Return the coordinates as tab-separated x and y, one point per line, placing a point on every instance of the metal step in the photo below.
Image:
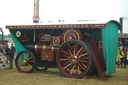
2	63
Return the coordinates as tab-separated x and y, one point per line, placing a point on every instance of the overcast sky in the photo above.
21	11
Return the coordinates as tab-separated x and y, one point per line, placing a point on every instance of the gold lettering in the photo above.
86	25
67	25
74	26
82	25
63	26
47	26
59	26
70	25
54	26
37	26
50	26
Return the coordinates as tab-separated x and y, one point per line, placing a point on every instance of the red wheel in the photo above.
25	62
74	59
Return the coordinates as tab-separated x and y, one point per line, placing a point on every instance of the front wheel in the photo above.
25	62
74	59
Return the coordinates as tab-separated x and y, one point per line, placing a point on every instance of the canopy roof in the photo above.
57	26
61	26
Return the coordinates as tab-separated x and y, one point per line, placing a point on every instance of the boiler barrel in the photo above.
40	47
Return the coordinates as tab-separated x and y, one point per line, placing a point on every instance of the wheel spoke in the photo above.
70	48
28	58
81	67
70	51
24	56
66	56
65	52
29	64
21	59
84	61
83	55
67	66
67	62
64	59
84	58
74	50
30	61
82	51
76	46
24	68
79	50
21	64
72	69
76	68
29	55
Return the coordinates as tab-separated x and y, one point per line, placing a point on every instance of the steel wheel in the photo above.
74	59
25	62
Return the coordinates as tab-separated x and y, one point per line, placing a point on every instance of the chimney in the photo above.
2	36
121	23
36	11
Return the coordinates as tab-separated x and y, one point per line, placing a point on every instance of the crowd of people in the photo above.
10	55
122	56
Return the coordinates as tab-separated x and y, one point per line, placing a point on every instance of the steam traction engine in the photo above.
76	49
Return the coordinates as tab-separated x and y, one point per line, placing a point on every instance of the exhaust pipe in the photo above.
121	23
36	11
2	36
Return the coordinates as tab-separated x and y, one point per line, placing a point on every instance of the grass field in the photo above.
54	77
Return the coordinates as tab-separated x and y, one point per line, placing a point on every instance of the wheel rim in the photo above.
25	62
73	59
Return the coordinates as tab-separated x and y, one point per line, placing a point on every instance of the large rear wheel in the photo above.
74	59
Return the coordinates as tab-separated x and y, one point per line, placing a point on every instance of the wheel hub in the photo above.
74	58
24	62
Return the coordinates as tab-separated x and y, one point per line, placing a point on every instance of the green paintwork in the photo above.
110	43
19	47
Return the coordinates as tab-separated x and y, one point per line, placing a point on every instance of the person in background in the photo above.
126	58
12	51
7	53
117	57
121	56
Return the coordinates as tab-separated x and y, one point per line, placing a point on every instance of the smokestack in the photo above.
121	23
2	36
36	11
